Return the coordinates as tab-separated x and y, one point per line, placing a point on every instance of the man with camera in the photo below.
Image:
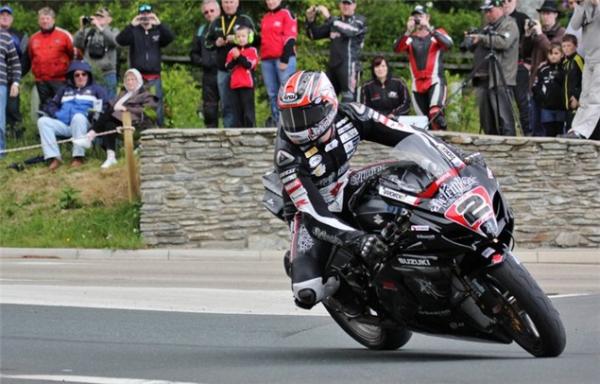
500	35
347	34
586	123
146	36
425	46
96	39
207	60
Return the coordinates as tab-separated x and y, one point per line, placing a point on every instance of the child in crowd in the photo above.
134	98
241	61
573	69
548	92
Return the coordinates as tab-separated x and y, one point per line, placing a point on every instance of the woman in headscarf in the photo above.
136	99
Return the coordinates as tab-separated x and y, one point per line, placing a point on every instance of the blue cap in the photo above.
6	8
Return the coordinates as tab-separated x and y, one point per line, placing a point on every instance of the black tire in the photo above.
369	333
529	316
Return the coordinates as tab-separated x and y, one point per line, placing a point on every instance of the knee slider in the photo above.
306	298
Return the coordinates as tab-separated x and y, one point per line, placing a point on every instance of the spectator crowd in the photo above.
549	72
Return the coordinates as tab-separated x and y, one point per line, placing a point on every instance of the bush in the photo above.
181	97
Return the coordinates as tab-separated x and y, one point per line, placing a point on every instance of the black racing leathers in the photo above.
347	36
315	179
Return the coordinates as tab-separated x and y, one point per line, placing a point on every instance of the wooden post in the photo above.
134	188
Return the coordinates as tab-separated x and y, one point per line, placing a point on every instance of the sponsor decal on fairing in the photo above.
450	191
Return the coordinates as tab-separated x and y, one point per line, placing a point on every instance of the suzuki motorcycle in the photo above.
450	270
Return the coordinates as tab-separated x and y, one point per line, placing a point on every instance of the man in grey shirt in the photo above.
96	39
587	17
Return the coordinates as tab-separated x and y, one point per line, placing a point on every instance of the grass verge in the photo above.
72	208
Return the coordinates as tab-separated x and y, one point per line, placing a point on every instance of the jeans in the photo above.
160	114
226	99
49	128
275	78
110	83
3	96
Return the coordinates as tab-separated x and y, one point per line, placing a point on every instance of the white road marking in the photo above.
90	379
568	295
194	300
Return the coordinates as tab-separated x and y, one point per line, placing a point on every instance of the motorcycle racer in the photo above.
315	141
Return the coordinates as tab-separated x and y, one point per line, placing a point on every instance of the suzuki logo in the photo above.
418	262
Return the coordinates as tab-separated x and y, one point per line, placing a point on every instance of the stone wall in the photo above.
201	187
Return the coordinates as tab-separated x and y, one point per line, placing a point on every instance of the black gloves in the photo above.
371	249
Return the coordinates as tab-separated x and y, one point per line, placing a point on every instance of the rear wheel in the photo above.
367	329
526	313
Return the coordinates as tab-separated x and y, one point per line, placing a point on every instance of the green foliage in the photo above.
69	199
462	113
181	97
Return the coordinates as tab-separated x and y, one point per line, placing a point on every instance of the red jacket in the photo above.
242	67
279	30
50	54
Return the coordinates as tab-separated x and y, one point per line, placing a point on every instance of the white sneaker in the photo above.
109	162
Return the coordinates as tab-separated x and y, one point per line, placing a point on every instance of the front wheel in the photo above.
368	331
526	313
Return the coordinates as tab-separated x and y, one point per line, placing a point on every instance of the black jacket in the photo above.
144	46
548	86
200	55
347	41
314	175
224	26
573	69
391	97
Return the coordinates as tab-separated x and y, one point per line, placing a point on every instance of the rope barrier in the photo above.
70	140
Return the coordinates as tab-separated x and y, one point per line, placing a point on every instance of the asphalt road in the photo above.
234	323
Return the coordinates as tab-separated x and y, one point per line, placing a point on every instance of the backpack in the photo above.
96	48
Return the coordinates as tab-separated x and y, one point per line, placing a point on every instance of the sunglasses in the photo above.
209	11
80	74
145	8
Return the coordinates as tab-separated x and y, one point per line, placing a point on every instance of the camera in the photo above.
530	23
86	20
143	19
417	21
467	44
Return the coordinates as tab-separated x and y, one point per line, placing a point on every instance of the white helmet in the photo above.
308	105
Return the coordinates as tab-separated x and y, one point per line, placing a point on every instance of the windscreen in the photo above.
423	161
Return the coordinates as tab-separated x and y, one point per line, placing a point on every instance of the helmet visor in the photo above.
300	119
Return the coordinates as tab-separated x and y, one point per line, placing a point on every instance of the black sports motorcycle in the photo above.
450	270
